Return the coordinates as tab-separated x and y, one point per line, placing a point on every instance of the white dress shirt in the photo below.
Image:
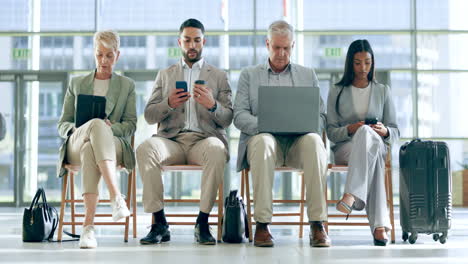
190	76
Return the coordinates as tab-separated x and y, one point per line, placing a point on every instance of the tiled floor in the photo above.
350	245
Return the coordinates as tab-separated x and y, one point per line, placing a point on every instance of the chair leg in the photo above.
128	202
245	174
220	211
389	184
301	214
326	201
242	187
62	207
72	201
134	204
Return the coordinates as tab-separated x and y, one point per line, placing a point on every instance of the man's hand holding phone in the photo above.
179	95
203	94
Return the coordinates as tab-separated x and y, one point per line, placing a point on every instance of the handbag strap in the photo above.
35	200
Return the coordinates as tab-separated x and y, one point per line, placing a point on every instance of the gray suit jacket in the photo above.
380	106
246	103
120	110
171	122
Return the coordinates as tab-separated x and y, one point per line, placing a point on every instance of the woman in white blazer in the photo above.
355	98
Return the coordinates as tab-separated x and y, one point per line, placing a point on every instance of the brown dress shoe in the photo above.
318	236
263	237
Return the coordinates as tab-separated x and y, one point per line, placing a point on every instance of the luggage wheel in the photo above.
404	236
412	239
443	238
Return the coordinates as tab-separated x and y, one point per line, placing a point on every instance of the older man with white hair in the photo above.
262	152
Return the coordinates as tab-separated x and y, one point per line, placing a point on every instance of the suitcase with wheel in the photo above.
425	190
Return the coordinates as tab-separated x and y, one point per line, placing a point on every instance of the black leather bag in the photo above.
39	220
235	224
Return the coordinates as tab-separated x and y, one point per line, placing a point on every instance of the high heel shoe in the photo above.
345	208
379	242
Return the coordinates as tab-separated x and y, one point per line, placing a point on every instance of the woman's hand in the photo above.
380	129
108	122
354	127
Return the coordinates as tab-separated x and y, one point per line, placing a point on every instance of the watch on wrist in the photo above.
212	109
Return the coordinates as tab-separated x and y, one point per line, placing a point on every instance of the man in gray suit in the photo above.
191	131
262	152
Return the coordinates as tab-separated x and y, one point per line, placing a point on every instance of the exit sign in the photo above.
21	54
174	52
333	52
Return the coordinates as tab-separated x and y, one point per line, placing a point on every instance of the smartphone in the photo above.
181	85
371	121
200	82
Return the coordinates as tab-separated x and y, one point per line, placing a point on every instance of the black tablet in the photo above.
89	107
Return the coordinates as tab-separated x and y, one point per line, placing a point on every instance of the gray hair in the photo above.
280	27
108	38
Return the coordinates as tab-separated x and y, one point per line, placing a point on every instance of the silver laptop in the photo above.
288	110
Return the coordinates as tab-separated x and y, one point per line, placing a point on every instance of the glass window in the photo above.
16	55
7	145
14	15
241	14
442	51
44	106
167	51
329	51
57	53
158	15
449	14
241	51
132	53
441	104
400	83
360	14
67	15
269	11
262	51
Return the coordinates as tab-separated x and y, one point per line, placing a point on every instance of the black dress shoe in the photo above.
158	233
203	234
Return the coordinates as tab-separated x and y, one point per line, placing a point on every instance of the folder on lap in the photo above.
89	107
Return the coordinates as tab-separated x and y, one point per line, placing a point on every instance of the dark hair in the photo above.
192	22
360	45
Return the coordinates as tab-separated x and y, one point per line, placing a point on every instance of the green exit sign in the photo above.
333	52
21	54
174	52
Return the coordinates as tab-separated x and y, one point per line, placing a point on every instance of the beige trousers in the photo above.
307	152
90	144
186	148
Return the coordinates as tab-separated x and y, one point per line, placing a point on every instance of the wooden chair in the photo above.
219	201
245	193
68	181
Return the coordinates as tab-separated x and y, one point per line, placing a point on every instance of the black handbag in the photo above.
39	220
235	224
